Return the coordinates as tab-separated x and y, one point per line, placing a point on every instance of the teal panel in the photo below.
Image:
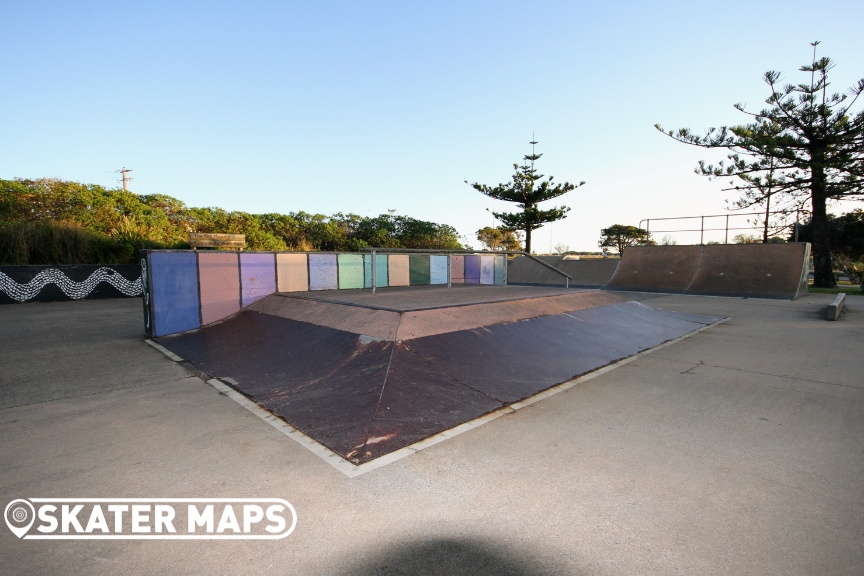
380	270
438	269
500	270
350	271
418	264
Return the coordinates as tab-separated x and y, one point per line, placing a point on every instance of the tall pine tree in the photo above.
527	190
806	135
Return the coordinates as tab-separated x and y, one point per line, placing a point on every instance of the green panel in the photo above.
500	269
350	271
380	270
419	266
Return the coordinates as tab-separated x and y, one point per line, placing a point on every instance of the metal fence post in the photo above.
374	280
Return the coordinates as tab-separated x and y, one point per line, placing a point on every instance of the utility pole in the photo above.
126	179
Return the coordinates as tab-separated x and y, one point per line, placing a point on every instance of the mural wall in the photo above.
56	283
184	290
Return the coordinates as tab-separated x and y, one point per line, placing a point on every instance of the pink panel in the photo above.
219	280
457	269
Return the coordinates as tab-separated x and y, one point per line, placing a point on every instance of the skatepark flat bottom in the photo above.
364	396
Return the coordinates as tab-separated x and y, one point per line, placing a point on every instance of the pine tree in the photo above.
528	189
806	145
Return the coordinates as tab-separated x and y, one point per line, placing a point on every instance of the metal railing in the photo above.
375	250
726	228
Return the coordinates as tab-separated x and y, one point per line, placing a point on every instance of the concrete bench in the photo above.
835	307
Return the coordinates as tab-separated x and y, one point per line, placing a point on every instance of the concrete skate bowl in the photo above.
365	381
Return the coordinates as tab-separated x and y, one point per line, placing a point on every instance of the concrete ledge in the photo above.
835	307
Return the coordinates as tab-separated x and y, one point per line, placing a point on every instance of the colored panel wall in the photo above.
419	264
457	269
219	279
174	296
380	270
438	269
500	270
350	271
257	277
487	269
293	272
323	272
472	269
398	270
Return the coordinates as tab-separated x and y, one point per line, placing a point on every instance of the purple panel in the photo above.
323	272
257	277
472	269
174	298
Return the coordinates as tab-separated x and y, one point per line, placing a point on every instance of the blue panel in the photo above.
472	269
380	270
174	278
438	269
323	274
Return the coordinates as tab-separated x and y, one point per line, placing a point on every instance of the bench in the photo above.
205	240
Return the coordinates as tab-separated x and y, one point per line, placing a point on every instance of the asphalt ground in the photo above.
739	450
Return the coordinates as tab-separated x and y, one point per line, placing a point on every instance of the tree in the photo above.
745	239
499	239
619	236
528	189
846	233
808	137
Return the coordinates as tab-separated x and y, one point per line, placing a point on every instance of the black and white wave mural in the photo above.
54	283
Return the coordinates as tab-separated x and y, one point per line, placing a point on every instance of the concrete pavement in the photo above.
739	450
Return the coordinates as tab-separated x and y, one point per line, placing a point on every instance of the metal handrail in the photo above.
727	228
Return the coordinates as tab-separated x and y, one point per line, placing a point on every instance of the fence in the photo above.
730	222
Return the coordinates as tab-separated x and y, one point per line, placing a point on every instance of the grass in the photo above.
850	289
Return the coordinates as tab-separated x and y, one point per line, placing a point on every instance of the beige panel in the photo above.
292	272
399	270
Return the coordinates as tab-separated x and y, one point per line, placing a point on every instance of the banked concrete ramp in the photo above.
741	270
366	381
753	271
656	269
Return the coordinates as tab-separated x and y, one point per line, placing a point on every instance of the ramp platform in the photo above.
367	375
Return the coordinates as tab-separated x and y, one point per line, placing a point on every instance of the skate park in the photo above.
708	434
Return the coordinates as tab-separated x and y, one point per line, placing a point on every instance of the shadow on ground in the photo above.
450	557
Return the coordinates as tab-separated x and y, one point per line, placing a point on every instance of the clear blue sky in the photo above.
368	106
